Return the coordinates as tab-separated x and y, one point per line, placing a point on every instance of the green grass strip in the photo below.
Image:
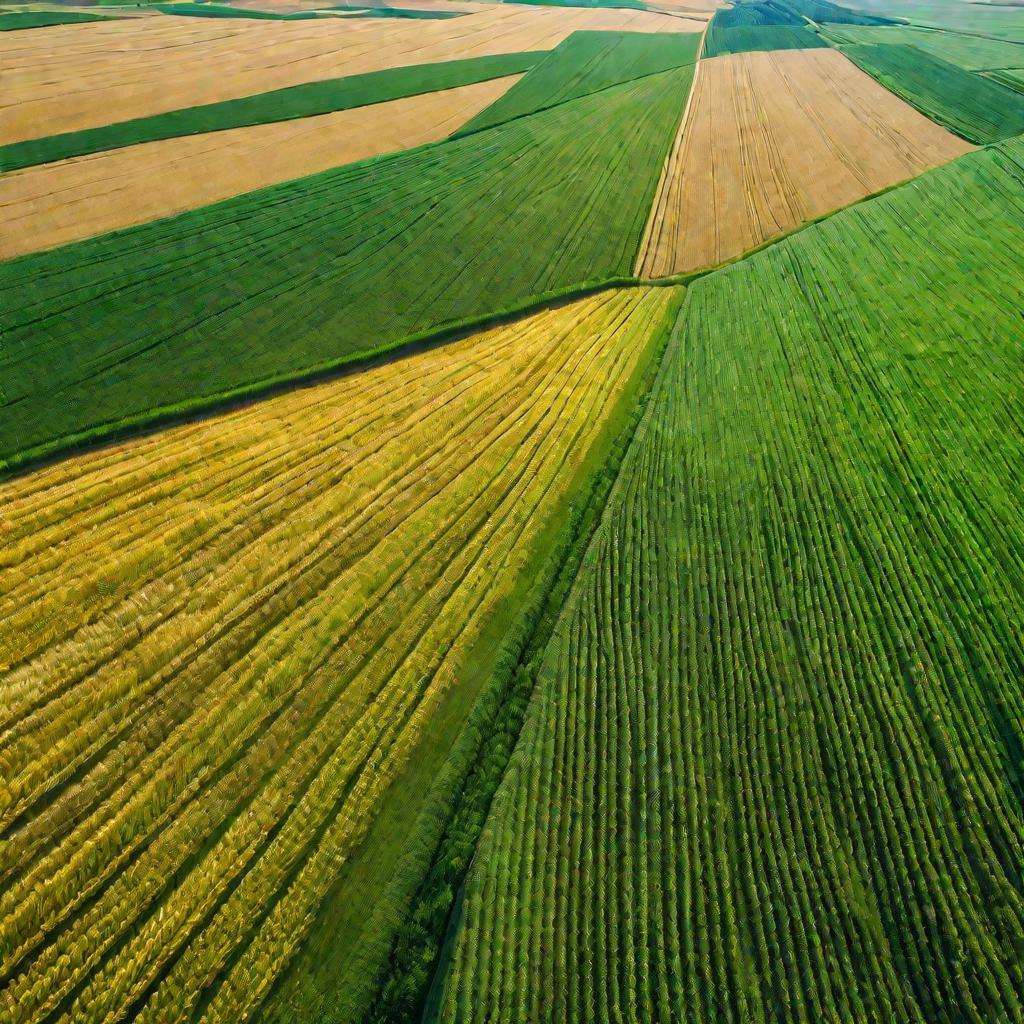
277	105
179	315
20	20
975	107
224	11
585	63
400	12
632	5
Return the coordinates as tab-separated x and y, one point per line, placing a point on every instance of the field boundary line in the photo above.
641	256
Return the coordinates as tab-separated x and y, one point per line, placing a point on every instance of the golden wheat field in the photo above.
772	140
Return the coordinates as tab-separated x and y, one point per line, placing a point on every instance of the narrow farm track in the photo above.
773	767
773	140
53	204
247	631
79	75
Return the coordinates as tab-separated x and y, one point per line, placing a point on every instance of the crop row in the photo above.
223	644
772	769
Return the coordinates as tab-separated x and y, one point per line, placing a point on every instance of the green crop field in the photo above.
1012	79
973	53
776	25
399	12
521	523
588	62
237	296
18	20
296	101
773	765
748	15
823	11
971	105
750	38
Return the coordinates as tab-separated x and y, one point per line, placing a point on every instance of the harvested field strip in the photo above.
114	190
316	272
312	571
772	769
296	101
973	106
757	37
773	140
588	62
45	19
973	53
139	67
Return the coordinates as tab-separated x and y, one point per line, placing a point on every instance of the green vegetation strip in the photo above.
45	19
585	63
287	104
635	5
400	12
774	764
976	108
224	11
315	273
1012	79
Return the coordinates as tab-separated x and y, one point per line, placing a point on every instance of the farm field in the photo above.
772	140
113	189
218	306
975	107
589	62
510	512
147	66
368	577
771	769
998	20
973	53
